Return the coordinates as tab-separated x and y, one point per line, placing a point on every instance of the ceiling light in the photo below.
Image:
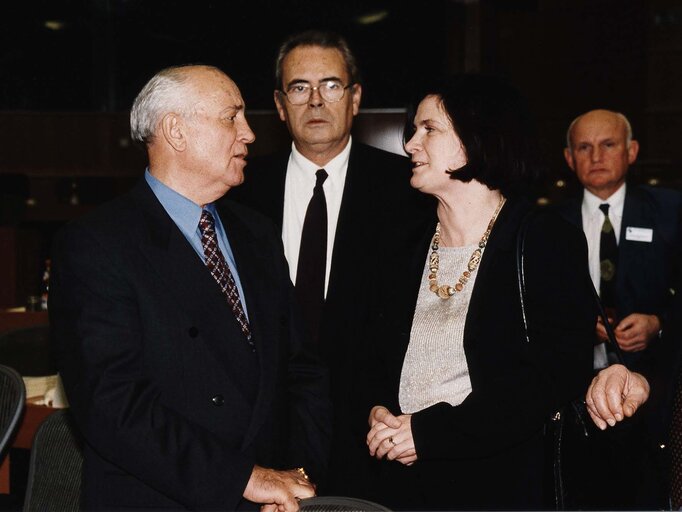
372	17
54	24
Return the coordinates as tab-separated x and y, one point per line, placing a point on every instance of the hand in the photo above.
278	490
391	436
615	393
635	331
601	330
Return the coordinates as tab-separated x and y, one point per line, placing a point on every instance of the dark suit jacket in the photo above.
487	452
646	271
174	406
377	197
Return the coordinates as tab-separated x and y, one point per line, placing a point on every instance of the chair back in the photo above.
12	403
340	504
27	350
54	478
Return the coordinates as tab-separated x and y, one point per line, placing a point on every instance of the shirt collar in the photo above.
616	201
335	167
184	212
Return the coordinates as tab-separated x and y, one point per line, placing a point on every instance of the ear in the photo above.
279	103
569	158
357	96
173	130
633	150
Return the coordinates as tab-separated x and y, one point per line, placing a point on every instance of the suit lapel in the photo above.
636	214
572	212
353	211
181	271
255	273
501	243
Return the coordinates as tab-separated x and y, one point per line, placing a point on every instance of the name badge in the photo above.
639	234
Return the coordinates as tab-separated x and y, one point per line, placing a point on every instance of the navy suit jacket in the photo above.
377	199
174	406
646	271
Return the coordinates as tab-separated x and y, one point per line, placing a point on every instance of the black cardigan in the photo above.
487	452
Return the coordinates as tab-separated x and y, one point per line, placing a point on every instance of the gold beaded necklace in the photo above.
446	291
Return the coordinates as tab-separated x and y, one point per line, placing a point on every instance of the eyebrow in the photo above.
325	79
602	141
427	121
236	108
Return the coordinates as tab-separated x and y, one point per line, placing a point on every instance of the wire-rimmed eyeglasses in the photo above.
331	91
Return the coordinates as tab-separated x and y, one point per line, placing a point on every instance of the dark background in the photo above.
567	56
70	69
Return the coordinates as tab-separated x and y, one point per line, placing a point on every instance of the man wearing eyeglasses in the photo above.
337	202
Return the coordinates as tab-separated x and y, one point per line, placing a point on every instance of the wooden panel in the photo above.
20	265
11	321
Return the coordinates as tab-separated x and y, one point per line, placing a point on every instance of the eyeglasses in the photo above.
331	91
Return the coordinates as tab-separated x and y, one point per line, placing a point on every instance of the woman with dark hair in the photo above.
463	394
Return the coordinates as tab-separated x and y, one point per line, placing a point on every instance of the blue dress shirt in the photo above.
186	215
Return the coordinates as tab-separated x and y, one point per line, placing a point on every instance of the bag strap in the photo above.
521	279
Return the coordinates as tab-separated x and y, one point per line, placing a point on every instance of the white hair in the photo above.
165	92
624	120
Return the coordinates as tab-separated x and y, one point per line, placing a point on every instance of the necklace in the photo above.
446	291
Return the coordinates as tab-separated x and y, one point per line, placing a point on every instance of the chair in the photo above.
27	350
12	403
340	504
54	477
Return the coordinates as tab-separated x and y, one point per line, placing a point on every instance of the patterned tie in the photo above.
215	261
312	258
608	256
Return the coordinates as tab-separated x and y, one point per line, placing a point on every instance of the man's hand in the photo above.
601	330
278	490
615	393
391	436
635	331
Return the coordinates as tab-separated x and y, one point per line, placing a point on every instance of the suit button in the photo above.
218	400
193	332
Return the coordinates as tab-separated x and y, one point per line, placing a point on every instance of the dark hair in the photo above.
322	39
494	124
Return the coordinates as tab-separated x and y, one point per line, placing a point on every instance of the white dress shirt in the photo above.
593	218
298	190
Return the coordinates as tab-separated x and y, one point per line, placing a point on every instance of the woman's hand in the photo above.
391	436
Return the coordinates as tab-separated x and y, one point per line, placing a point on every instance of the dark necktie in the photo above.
608	256
312	258
215	261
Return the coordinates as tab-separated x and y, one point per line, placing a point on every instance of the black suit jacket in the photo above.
377	199
174	406
646	271
487	452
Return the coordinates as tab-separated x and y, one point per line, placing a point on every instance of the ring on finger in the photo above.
390	440
303	473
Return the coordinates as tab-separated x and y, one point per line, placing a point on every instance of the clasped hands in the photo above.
633	333
391	436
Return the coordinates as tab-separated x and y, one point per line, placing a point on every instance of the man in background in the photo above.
337	201
635	279
634	244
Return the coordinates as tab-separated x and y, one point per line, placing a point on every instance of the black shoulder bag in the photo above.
573	415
